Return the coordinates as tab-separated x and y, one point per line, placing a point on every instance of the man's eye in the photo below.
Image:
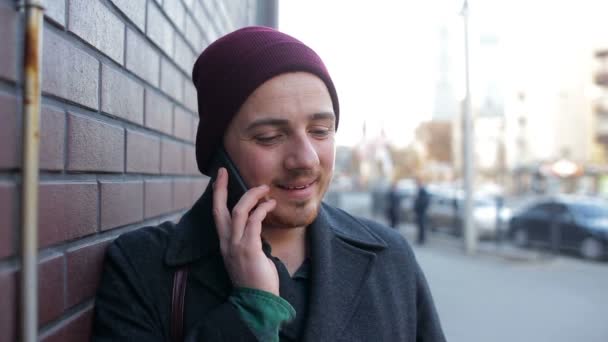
320	133
267	139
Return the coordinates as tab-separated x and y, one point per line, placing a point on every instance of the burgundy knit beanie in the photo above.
232	67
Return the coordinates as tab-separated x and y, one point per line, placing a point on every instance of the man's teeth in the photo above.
296	187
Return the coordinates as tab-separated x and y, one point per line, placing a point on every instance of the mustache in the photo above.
297	174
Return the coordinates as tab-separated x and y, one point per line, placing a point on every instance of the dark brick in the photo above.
94	145
121	203
184	57
66	211
171	80
68	72
190	99
51	295
159	115
8	306
84	266
182	124
176	12
8	218
143	153
8	37
171	157
190	166
55	10
97	25
9	136
135	10
75	328
182	194
159	198
159	29
121	95
52	139
142	58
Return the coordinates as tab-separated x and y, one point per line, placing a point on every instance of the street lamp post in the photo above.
467	142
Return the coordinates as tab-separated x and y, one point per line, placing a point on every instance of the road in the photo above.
501	297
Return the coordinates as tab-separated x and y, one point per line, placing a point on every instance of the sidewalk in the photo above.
504	249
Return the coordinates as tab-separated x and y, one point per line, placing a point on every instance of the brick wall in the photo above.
118	123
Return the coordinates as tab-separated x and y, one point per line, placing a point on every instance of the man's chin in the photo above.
292	216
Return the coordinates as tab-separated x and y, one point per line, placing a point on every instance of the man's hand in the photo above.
240	239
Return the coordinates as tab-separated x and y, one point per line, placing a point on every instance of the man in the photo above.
421	204
281	265
393	205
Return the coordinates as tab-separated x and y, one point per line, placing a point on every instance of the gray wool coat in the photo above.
365	284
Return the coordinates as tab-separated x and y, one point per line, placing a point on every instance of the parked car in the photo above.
446	213
565	223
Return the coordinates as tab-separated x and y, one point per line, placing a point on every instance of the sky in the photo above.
383	55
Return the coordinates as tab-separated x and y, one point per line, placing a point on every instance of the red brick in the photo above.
171	157
143	153
8	37
190	99
121	203
8	218
190	166
8	306
9	137
87	18
121	95
67	211
142	58
193	34
55	10
176	12
84	267
158	112
194	127
68	72
94	145
159	29
198	187
51	295
74	329
158	198
171	80
52	139
182	194
135	10
182	124
184	57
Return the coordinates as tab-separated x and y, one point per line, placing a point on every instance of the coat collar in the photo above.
343	252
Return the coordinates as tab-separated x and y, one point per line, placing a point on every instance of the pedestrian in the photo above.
421	204
280	265
393	205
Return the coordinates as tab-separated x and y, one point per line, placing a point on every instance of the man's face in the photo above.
283	136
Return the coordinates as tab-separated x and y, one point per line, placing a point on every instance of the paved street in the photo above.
506	296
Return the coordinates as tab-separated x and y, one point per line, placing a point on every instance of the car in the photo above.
446	213
571	223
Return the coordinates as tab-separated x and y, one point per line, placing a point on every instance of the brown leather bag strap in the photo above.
180	279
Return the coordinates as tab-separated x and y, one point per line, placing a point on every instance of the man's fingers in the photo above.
220	211
243	208
253	230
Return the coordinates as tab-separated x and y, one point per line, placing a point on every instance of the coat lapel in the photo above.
343	254
195	242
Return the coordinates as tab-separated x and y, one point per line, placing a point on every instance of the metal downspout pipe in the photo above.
34	14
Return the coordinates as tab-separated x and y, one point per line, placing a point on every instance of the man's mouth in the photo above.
297	186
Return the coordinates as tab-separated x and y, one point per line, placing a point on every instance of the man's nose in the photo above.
301	153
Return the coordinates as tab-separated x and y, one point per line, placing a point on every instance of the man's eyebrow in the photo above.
285	122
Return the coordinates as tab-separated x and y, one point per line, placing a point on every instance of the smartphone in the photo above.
236	185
